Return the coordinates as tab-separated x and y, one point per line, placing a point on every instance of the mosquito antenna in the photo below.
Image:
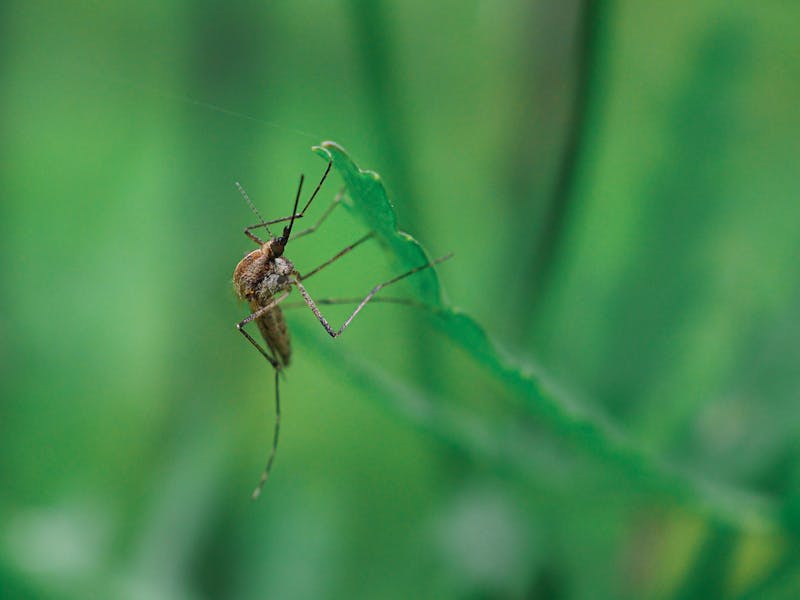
253	207
319	185
287	231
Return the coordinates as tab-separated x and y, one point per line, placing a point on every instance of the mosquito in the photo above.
265	277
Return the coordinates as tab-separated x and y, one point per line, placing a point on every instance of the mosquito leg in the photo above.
312	229
253	236
249	230
276	432
261	311
275	364
277	427
367	298
383	299
336	201
337	256
277	367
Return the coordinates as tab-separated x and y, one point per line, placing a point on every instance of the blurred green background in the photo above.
619	184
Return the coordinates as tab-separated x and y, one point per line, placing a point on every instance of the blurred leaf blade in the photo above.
588	429
372	206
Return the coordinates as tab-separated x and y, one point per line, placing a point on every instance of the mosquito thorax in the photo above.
275	278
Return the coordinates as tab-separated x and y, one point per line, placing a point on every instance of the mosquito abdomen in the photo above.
273	329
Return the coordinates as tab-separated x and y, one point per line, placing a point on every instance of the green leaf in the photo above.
372	206
586	429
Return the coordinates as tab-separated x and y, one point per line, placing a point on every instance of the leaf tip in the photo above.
329	149
328	144
322	151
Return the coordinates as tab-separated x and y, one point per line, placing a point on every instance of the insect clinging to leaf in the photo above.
264	278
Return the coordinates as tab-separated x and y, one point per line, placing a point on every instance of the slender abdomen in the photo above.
273	328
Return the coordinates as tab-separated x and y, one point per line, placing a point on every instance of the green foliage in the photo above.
565	416
372	205
610	411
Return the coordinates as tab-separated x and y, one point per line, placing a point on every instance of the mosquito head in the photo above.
278	244
274	247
